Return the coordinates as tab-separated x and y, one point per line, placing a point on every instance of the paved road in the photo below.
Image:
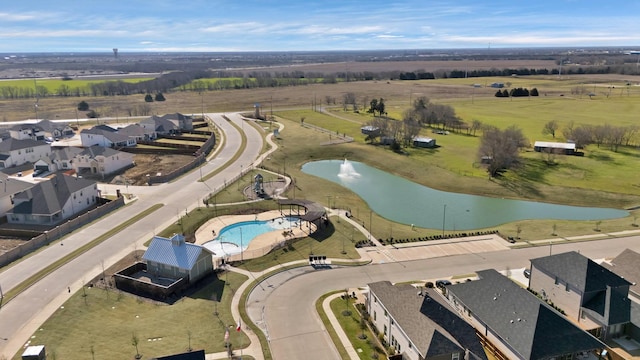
24	314
285	303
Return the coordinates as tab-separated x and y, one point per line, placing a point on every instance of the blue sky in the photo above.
256	25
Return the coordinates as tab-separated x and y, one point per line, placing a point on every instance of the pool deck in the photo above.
261	243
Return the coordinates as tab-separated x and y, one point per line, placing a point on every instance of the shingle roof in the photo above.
429	322
97	150
532	328
627	266
50	126
26	126
65	153
173	252
48	197
160	124
579	271
133	130
15	144
10	186
111	135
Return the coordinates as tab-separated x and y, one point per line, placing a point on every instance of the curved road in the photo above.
23	315
285	305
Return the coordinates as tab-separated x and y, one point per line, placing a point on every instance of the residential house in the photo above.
63	158
101	160
56	130
53	201
627	266
420	324
516	322
184	122
592	295
105	136
175	258
160	125
9	186
14	152
26	131
138	132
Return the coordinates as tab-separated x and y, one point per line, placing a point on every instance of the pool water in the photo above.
236	237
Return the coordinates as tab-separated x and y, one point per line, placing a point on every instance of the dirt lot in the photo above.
149	165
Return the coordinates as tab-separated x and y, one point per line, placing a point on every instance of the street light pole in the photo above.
370	223
444	216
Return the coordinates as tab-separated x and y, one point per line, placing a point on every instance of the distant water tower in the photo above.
115	52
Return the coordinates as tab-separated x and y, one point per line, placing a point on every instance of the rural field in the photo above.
602	175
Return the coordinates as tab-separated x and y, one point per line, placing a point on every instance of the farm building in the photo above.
555	147
424	142
370	130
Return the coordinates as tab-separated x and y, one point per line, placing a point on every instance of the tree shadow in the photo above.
600	156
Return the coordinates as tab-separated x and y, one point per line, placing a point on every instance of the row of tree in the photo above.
517	92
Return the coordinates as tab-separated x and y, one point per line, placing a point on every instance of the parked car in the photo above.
442	283
527	273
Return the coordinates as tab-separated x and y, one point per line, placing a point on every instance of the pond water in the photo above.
236	237
406	202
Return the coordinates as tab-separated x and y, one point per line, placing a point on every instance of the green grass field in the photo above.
52	85
106	321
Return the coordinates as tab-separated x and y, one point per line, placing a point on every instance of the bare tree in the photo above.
348	99
475	126
550	128
501	148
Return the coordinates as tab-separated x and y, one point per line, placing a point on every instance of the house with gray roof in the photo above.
15	152
595	297
138	132
627	266
177	259
9	186
63	158
98	160
420	324
26	131
184	122
519	324
106	137
54	200
55	130
160	125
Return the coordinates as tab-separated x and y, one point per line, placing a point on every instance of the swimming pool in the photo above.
236	237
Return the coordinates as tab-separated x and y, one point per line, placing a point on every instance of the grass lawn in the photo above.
350	323
106	322
75	85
